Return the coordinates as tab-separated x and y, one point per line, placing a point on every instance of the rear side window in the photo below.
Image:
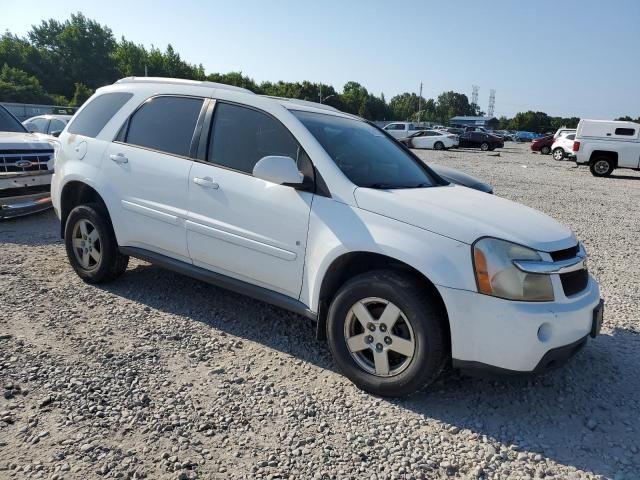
95	115
56	125
165	124
241	136
625	131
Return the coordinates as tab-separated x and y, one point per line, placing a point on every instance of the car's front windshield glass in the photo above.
8	123
364	154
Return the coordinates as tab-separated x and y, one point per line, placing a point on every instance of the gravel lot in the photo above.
160	376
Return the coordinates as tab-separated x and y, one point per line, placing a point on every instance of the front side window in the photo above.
241	136
166	124
94	116
56	125
364	154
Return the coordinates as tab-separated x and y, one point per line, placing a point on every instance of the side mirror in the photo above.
56	133
278	169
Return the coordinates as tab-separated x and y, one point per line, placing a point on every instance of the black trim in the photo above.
195	138
551	360
219	280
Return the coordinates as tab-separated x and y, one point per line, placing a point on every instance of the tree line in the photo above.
62	63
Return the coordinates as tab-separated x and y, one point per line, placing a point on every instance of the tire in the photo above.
93	256
546	150
484	146
418	324
601	167
410	144
438	146
558	154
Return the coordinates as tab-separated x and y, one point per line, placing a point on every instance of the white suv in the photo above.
321	213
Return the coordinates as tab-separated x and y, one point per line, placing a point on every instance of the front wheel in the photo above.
601	167
91	245
438	146
558	153
484	146
385	334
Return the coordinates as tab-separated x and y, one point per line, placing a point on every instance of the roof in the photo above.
462	117
181	81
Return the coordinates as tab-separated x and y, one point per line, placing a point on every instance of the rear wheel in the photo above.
558	153
91	244
601	167
546	150
438	146
385	334
484	146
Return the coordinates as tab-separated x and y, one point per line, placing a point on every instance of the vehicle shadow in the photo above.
42	228
624	177
567	415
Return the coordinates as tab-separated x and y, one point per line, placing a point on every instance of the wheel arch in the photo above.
613	156
74	193
350	264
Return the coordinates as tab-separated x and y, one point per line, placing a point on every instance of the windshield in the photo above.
8	123
364	154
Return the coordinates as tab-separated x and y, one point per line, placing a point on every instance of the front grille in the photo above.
23	161
574	282
565	254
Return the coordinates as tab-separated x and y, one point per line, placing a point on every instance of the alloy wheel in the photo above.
601	167
379	337
87	245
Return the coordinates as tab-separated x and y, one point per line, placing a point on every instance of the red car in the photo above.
542	145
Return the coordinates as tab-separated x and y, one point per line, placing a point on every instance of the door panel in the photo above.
248	228
149	198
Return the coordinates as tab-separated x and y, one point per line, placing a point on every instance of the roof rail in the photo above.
306	103
181	81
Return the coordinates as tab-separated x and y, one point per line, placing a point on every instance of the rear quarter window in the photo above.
626	131
94	116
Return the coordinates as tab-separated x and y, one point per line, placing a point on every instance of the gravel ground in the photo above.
160	376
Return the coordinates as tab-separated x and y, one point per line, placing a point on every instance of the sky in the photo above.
563	57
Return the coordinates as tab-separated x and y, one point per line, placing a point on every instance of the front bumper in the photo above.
22	195
496	334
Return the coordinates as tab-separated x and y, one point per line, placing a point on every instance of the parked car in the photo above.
402	129
47	124
507	136
606	145
563	131
483	141
431	139
315	211
542	144
26	166
562	146
455	131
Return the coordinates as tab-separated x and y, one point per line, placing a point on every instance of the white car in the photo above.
563	131
320	213
562	146
51	125
431	139
605	145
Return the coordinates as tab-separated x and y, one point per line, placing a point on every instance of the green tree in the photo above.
81	94
531	121
81	48
18	86
450	104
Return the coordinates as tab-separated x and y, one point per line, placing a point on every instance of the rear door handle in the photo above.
119	158
206	182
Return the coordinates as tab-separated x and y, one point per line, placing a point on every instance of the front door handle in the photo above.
119	158
206	182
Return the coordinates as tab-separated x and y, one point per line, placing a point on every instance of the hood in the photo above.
456	176
466	215
23	141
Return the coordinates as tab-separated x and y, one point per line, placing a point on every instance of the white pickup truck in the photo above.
402	129
606	145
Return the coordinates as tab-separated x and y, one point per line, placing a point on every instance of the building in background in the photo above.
490	123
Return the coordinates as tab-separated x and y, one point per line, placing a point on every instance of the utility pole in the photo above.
492	103
145	71
420	103
320	92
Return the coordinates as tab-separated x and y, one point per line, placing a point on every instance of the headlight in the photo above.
496	274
